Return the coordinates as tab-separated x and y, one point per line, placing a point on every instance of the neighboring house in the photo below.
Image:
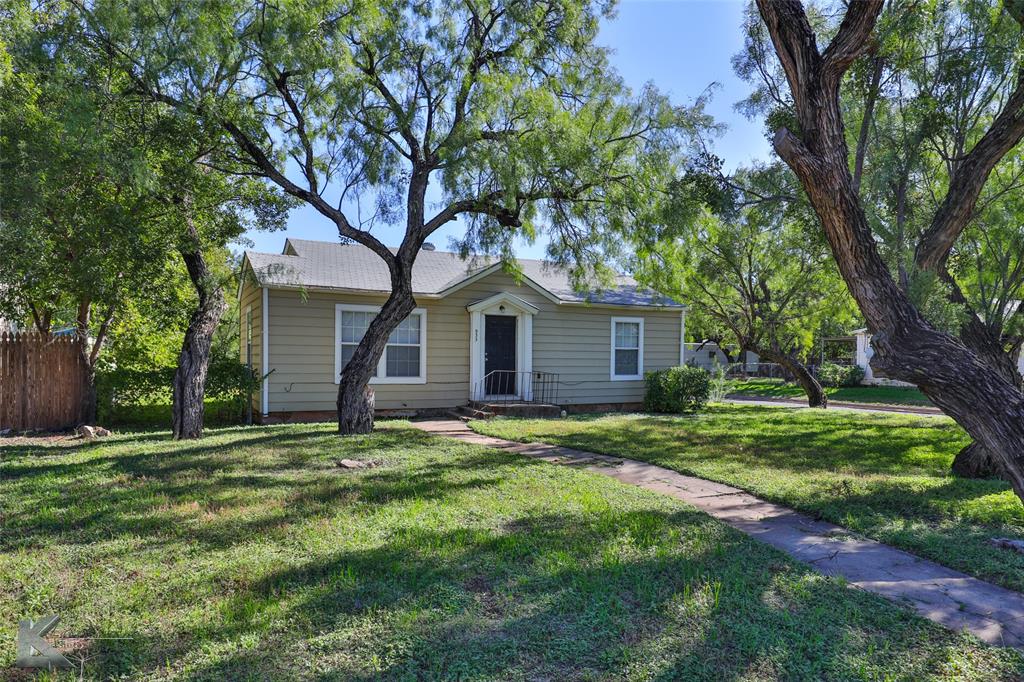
477	333
865	353
707	354
9	326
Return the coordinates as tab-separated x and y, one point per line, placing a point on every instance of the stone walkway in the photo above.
950	598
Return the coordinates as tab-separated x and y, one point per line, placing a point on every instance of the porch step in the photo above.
528	410
467	412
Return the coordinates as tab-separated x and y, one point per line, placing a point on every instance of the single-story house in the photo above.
477	333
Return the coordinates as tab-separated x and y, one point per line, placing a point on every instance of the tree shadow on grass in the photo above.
217	494
569	596
440	584
791	441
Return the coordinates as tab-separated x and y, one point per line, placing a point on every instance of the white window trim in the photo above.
514	307
640	351
339	308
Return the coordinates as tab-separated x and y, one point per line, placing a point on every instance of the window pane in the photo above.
346	354
347	351
403	361
408	331
353	325
627	335
626	362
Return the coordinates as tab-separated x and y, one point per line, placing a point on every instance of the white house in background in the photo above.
478	334
865	353
707	354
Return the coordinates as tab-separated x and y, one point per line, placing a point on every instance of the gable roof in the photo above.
353	267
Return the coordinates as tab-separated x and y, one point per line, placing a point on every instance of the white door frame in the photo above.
503	303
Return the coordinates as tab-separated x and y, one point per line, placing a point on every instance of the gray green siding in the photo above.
251	295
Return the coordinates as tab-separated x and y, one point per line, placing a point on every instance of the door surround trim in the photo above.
502	303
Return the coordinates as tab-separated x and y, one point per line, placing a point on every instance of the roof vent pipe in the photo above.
427	246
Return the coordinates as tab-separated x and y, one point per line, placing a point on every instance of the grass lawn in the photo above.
879	395
252	556
883	475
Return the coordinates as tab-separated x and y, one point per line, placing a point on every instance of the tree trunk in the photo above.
815	393
974	461
88	409
194	360
90	354
355	397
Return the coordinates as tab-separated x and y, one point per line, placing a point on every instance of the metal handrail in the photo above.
504	386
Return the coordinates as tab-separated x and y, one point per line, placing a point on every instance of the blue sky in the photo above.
680	45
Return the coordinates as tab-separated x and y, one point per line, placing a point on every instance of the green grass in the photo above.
251	556
883	475
879	395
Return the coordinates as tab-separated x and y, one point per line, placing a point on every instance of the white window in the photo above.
404	360
627	348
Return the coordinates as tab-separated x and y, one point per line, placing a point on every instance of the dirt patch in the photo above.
42	439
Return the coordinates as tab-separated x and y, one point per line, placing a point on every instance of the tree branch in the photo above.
968	181
345	229
850	42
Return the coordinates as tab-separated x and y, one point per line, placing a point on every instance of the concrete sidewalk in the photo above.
950	598
837	405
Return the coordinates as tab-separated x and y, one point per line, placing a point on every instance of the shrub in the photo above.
833	375
677	389
720	384
142	397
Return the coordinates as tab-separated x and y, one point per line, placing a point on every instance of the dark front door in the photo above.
499	354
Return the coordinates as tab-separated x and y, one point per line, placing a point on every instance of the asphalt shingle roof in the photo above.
329	265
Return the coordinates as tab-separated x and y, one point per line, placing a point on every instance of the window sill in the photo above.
636	377
393	380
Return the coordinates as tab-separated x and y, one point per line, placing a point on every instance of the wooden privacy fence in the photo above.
40	382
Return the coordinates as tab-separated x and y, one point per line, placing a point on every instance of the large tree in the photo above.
104	191
753	266
72	244
953	369
210	209
507	107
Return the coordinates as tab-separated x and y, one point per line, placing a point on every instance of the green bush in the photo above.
834	376
142	397
677	389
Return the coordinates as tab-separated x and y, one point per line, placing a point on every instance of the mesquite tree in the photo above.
507	107
210	210
72	244
753	266
104	190
951	371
